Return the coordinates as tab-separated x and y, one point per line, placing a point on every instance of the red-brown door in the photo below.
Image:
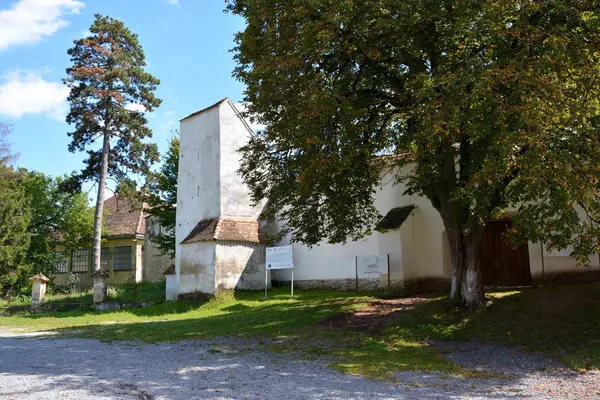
501	265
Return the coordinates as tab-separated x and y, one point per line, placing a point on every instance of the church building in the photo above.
220	242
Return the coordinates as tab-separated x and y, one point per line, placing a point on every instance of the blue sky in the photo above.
186	43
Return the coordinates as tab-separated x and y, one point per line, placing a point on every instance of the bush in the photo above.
72	283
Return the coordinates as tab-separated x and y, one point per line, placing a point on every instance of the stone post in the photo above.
171	290
99	278
38	291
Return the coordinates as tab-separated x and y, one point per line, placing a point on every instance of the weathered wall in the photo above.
198	187
197	268
240	266
154	263
234	133
208	187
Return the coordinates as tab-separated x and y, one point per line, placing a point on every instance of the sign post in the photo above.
372	266
279	258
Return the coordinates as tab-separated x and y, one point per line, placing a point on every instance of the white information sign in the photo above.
280	257
372	265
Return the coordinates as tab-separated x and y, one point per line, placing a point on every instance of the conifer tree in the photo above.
110	92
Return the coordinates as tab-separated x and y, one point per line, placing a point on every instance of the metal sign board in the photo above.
279	257
371	265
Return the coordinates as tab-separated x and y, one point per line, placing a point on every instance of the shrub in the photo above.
72	283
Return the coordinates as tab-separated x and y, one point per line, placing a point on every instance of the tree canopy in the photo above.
14	221
162	198
484	105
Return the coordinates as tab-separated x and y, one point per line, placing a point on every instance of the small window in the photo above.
105	258
80	260
61	265
122	259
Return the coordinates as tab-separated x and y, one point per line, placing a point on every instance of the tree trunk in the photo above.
466	273
99	275
471	288
456	255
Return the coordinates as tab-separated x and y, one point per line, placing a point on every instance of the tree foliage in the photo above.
56	215
110	92
484	105
6	156
14	221
162	198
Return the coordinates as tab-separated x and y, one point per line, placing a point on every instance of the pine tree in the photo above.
110	91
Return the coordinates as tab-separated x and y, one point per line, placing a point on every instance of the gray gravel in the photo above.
43	367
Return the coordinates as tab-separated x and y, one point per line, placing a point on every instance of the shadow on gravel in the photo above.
86	369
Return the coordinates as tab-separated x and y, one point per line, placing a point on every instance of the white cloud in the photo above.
24	93
173	2
30	20
255	126
135	107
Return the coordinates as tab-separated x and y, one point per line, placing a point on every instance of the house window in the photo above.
61	265
80	260
105	258
122	260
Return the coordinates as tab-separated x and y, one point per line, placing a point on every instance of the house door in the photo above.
501	265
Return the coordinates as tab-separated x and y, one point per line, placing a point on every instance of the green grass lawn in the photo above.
126	293
562	321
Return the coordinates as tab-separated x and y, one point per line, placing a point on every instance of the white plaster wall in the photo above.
328	261
416	249
198	188
197	268
240	266
235	198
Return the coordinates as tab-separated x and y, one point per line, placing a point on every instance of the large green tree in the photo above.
14	221
484	104
55	215
110	92
162	198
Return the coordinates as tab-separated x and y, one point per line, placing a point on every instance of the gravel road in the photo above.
42	367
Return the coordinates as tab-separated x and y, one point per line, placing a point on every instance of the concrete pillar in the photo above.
99	278
38	291
171	290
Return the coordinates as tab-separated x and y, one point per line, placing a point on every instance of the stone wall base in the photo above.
426	285
591	274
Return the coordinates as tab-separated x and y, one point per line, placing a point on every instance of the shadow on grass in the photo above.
562	322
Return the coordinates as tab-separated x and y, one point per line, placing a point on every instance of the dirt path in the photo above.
43	367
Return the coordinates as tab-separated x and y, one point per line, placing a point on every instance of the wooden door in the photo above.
502	265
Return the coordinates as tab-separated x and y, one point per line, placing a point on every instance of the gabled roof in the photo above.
394	218
218	103
123	218
229	229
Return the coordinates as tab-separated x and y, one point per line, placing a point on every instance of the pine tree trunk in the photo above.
99	275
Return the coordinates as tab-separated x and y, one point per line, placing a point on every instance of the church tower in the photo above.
217	230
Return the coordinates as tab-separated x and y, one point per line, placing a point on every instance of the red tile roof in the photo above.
123	218
230	229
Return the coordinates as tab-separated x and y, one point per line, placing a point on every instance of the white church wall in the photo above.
198	197
197	268
240	266
235	197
